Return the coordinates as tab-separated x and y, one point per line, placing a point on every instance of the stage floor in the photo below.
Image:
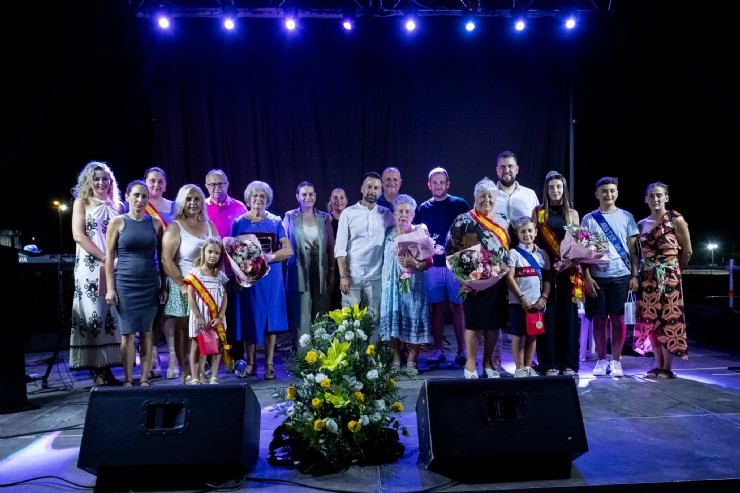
643	435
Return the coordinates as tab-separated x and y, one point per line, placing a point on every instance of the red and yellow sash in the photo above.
498	231
552	244
152	211
213	310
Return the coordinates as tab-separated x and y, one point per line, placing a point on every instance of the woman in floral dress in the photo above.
666	249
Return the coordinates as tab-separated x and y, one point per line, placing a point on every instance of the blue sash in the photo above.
529	258
612	237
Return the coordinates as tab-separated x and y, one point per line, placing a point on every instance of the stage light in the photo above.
470	16
571	19
519	14
229	17
163	19
409	17
348	19
291	17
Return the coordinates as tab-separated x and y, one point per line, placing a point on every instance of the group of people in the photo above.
147	266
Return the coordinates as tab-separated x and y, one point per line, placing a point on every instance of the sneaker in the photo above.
531	372
552	372
569	372
520	372
437	357
461	358
600	368
615	368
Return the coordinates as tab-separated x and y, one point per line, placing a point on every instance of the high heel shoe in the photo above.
247	372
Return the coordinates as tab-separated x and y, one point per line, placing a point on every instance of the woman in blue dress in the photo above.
260	310
404	310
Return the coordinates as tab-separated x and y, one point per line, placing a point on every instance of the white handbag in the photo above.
630	309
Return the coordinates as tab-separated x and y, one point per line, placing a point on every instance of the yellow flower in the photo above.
318	425
312	357
339	315
392	382
337	399
370	351
397	407
316	403
354	426
359	396
292	393
336	353
357	313
326	383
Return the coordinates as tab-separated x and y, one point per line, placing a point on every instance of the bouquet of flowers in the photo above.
476	268
344	409
583	245
246	258
417	244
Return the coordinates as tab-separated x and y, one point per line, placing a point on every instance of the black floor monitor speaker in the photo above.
170	437
496	430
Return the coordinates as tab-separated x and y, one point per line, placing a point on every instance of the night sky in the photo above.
663	106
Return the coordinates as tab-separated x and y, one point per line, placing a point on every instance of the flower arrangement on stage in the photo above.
248	262
476	268
584	246
344	409
419	245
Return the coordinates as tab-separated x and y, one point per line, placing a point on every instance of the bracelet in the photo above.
521	296
635	276
543	297
343	277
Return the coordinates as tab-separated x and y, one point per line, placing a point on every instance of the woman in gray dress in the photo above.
134	281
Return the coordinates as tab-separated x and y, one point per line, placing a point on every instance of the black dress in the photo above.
335	300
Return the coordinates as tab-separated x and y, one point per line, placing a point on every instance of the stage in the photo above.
642	435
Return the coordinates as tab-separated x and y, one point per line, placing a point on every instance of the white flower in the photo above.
380	405
376	417
290	411
319	332
304	340
372	375
327	337
357	323
364	420
320	377
310	378
349	335
331	425
360	334
344	324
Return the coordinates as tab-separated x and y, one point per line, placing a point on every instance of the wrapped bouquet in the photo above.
417	244
476	268
584	246
246	258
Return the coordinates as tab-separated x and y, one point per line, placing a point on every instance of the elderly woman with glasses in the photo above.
261	311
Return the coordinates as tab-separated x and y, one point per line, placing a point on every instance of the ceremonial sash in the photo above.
213	310
498	231
552	244
612	237
547	234
152	211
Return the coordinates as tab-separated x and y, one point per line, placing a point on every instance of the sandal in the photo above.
470	374
144	383
246	372
270	372
665	374
653	373
127	383
213	381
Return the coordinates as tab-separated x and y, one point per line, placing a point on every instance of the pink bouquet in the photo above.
584	246
246	258
476	268
417	244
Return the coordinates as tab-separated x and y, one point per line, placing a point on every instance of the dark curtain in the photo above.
325	106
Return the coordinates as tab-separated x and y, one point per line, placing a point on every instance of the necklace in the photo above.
609	212
556	211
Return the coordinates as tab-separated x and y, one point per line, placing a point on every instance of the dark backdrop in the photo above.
648	102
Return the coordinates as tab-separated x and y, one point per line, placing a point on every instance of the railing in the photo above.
728	270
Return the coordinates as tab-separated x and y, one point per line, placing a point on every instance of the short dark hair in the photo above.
607	180
371	174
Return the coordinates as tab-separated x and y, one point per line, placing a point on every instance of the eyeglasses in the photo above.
219	184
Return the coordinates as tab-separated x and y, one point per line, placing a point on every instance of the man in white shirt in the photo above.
512	201
359	248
